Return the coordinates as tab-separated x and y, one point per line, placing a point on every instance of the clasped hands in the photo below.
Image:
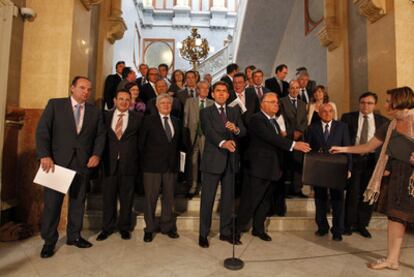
230	145
48	164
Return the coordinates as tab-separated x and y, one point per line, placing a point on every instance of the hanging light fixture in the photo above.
194	48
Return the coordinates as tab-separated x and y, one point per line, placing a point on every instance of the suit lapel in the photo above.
331	132
109	118
320	132
131	118
86	118
71	117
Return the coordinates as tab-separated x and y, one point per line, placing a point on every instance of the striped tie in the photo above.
118	126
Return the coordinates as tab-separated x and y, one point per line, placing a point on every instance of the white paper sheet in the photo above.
59	180
182	161
238	102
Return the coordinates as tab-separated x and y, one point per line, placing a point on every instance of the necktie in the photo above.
77	116
223	115
167	129
118	126
294	103
199	131
202	104
326	132
364	132
259	91
275	125
191	93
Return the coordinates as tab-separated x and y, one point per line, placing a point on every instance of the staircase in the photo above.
300	215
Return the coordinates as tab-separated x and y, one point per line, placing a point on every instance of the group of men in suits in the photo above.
237	136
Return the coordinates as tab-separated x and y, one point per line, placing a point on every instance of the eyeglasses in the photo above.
366	103
271	102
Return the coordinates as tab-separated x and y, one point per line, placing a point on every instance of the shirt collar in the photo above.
327	123
219	106
267	116
370	115
291	98
118	112
162	116
74	102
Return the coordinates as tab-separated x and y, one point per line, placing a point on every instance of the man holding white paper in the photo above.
70	134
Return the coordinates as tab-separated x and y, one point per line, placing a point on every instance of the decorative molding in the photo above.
329	35
116	28
89	3
373	10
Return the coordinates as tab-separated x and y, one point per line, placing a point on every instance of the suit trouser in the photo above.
113	186
321	203
258	201
53	205
196	156
209	183
357	212
152	185
295	160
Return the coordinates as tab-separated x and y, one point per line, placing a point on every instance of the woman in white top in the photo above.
319	97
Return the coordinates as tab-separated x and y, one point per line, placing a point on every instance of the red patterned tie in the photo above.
118	126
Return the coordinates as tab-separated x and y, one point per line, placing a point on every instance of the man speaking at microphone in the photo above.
222	127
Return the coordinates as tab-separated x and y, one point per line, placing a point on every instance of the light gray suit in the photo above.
197	139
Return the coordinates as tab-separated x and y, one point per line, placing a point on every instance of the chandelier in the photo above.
194	48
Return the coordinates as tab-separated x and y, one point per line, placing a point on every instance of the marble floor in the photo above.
289	254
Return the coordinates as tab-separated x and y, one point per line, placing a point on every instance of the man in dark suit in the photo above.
159	141
311	84
362	125
221	126
163	72
161	88
190	90
322	135
143	69
231	69
111	83
258	88
304	93
70	134
266	145
148	91
120	162
278	84
294	113
128	76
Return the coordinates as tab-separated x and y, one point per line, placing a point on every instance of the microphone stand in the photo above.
233	263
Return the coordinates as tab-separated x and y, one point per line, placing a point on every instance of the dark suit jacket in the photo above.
253	89
126	147
214	158
147	93
228	81
183	95
338	136
177	109
157	154
273	86
265	149
252	104
295	119
56	135
140	83
111	84
310	87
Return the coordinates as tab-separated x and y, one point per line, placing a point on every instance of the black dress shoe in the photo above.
173	235
337	237
203	242
364	232
262	236
80	243
321	233
103	235
229	239
47	251
148	237
125	235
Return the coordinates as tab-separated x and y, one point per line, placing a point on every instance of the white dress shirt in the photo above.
82	113
304	94
169	123
242	97
371	126
115	119
324	126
